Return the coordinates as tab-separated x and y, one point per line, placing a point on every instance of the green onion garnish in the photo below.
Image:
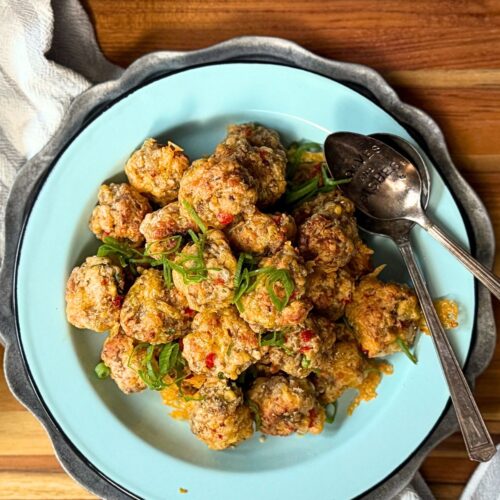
123	252
273	339
406	350
295	159
192	213
102	371
331	412
158	362
283	277
305	362
307	190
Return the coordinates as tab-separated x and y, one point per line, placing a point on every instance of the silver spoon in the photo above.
346	154
387	186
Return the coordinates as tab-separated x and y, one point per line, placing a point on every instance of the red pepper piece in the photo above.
210	360
306	335
224	218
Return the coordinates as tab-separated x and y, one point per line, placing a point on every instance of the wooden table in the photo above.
442	56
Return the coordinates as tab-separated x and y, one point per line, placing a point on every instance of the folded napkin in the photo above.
49	55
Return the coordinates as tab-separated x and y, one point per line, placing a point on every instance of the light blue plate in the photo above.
131	439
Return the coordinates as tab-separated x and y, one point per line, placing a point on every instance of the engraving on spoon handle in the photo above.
486	277
477	439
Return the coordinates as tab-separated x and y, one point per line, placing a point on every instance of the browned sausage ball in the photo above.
286	405
156	170
152	313
218	189
300	351
220	419
329	290
220	343
119	213
94	294
381	313
157	227
328	231
257	307
118	355
260	151
260	233
217	289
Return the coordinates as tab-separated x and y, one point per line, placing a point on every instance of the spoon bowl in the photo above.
396	229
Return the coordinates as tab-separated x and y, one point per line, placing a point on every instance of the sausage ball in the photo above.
381	313
221	419
119	213
213	285
329	290
220	342
328	230
260	151
286	405
344	368
94	294
261	234
156	170
300	351
257	307
152	313
217	189
157	227
117	354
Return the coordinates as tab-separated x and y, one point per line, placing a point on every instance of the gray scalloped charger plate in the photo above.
105	124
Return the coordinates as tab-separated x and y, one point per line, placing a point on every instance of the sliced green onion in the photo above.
192	213
305	362
153	370
406	350
331	412
300	149
102	371
283	277
272	339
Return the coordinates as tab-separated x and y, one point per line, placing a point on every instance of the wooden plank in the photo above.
40	486
393	35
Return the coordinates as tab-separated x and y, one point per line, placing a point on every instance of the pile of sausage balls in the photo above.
287	348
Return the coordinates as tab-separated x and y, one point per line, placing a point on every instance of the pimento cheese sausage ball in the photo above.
119	213
216	289
381	313
257	307
156	170
94	294
261	234
221	419
217	189
286	405
152	313
220	342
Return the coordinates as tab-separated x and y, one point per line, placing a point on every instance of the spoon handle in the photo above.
485	276
477	439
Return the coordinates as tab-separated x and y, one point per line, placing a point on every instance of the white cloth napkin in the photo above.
48	56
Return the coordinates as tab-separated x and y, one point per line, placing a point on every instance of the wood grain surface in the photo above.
442	56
